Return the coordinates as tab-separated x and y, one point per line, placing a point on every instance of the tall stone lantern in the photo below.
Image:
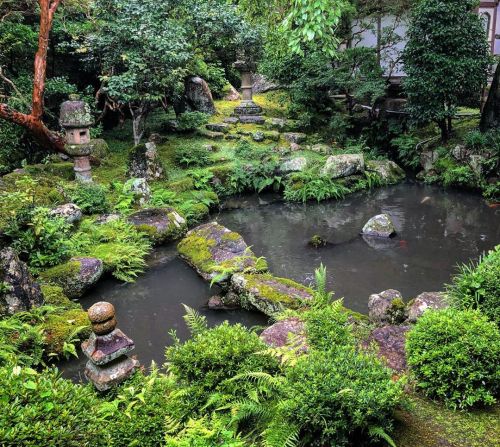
247	110
76	119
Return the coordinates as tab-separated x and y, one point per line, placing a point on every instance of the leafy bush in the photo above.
477	286
333	396
253	177
11	147
304	186
454	355
91	198
188	121
192	156
491	192
475	140
406	149
43	409
44	240
459	176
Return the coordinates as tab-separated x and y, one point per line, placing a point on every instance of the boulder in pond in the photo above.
379	226
269	294
160	224
76	276
388	171
424	301
18	290
144	162
70	212
296	164
391	345
216	252
198	95
381	306
338	166
283	332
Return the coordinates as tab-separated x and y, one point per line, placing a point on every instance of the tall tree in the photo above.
32	121
446	60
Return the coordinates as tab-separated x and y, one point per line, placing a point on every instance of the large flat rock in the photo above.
217	253
269	294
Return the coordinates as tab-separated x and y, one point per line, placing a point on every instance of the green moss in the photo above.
59	328
59	273
263	283
185	184
222	172
63	170
231	236
197	250
54	296
428	424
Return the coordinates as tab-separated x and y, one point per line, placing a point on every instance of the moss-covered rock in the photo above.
217	252
55	296
389	171
76	276
63	170
160	224
185	184
59	328
270	294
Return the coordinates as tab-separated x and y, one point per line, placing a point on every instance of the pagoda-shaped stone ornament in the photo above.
247	111
107	349
76	119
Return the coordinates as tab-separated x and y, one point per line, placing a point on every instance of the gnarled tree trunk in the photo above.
33	122
490	118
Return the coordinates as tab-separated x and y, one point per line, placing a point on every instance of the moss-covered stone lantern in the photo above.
76	119
247	111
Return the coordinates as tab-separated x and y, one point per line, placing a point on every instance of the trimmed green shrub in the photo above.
454	356
477	286
188	121
91	198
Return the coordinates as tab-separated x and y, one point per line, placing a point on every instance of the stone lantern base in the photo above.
81	157
247	108
107	376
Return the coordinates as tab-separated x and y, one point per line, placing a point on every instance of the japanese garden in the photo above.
249	223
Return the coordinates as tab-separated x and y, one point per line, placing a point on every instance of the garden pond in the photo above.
436	230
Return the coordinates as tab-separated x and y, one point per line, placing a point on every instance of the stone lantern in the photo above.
247	111
76	119
107	349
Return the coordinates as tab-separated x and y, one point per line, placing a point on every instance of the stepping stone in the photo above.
252	119
218	127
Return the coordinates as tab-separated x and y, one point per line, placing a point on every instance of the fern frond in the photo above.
380	433
281	435
196	323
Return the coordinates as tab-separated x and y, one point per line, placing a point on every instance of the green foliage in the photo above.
443	68
44	409
12	151
42	238
337	394
475	140
189	121
454	355
304	186
256	176
462	176
477	286
91	198
406	147
192	156
120	246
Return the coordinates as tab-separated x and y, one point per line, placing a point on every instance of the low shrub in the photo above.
454	356
304	186
462	176
407	153
475	140
188	121
477	286
192	155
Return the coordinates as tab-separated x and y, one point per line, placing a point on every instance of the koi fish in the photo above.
425	199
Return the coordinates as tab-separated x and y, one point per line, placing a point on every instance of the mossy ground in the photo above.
425	423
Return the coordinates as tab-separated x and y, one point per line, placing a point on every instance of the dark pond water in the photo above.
436	230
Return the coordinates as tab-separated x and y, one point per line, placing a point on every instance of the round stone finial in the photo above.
102	317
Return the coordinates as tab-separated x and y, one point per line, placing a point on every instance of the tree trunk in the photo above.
33	122
490	118
139	115
444	130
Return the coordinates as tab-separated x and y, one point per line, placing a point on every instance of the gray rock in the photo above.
102	349
389	171
294	147
156	138
232	136
252	119
427	160
338	166
297	164
380	305
459	152
140	189
379	226
144	162
424	301
258	137
295	137
211	134
476	164
218	127
70	212
107	376
231	120
106	218
209	147
161	224
270	294
217	252
272	135
18	290
282	332
277	123
76	276
260	84
390	341
321	148
199	96
231	94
